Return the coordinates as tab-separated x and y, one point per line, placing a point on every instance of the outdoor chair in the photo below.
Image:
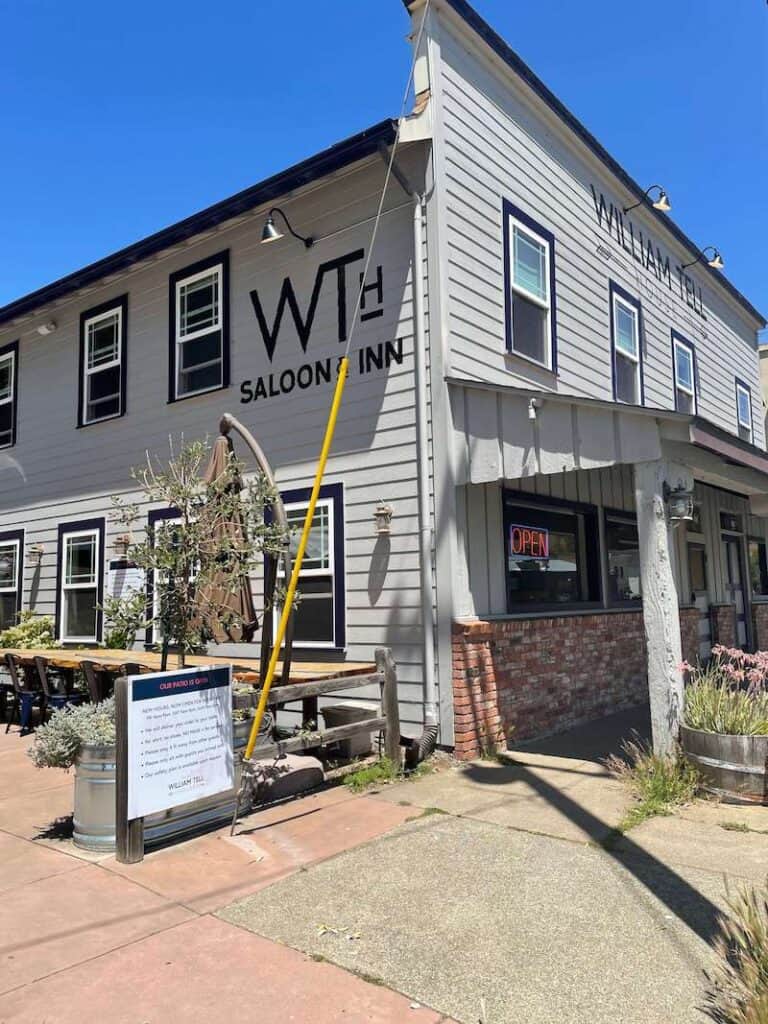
53	699
6	691
24	698
96	682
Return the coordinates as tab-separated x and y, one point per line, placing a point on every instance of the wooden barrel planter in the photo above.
733	767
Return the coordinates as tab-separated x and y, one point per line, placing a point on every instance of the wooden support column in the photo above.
385	663
660	601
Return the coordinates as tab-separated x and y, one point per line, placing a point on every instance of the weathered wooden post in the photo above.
385	664
661	616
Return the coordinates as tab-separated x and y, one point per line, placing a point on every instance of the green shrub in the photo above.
379	771
58	742
738	991
658	783
32	631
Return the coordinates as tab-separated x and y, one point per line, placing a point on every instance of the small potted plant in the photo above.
725	724
83	737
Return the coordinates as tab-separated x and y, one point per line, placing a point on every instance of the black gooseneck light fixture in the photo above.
661	202
715	260
271	233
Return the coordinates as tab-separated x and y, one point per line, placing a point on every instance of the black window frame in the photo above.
526	500
12	349
335	493
510	210
739	383
616	290
17	537
119	303
627	519
763	565
680	339
219	259
97	524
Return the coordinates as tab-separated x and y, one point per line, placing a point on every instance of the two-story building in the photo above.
551	386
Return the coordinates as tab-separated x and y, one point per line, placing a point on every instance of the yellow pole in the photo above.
289	597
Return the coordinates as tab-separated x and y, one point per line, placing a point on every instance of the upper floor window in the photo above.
102	362
626	345
9	381
199	335
81	581
319	620
744	411
11	572
529	271
684	365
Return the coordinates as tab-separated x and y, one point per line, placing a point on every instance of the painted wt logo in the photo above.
373	294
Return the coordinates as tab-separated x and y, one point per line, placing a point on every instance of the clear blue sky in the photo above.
118	119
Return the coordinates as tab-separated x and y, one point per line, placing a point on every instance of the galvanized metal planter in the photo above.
94	816
733	767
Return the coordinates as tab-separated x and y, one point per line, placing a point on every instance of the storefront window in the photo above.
551	555
623	552
758	567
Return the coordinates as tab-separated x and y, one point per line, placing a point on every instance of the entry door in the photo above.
734	569
697	572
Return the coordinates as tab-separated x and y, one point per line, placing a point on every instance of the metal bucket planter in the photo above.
94	817
733	767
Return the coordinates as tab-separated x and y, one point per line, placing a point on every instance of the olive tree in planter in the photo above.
215	540
83	736
725	724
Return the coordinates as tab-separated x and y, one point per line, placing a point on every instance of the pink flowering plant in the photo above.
729	694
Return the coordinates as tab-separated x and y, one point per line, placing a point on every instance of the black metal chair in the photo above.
53	699
24	697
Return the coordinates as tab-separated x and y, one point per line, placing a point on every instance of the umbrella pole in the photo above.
291	593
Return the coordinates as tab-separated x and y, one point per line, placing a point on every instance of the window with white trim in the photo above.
102	359
81	570
159	522
685	374
199	342
529	272
11	562
627	357
744	411
8	384
319	617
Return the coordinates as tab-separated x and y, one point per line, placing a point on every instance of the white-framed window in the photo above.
81	571
684	367
744	411
626	344
11	562
199	352
102	358
530	300
319	620
8	383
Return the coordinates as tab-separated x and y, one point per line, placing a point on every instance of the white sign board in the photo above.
179	738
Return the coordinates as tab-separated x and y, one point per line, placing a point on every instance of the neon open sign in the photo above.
528	541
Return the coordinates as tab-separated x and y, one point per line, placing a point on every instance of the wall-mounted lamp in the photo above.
121	544
679	503
382	517
47	328
36	552
715	260
533	405
661	202
270	233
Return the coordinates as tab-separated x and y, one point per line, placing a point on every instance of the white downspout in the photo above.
422	449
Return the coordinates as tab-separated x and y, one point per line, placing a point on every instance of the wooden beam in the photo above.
302	691
309	741
129	835
386	666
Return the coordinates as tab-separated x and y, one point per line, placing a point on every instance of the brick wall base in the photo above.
519	678
689	633
723	618
760	625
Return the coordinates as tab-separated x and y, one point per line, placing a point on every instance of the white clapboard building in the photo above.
542	358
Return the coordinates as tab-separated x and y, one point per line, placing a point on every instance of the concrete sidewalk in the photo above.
513	889
84	938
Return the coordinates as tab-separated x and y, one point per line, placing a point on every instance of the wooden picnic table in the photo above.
243	669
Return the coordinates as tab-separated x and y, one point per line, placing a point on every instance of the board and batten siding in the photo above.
496	145
57	473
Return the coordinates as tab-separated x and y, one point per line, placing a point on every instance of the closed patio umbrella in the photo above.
227	609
